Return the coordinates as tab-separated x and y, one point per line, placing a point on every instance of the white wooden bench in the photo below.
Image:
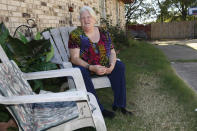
63	111
59	39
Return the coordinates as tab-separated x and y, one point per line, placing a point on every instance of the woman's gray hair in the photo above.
89	9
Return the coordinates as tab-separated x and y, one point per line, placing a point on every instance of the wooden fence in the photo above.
174	30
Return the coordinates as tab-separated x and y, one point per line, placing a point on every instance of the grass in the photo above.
160	100
185	61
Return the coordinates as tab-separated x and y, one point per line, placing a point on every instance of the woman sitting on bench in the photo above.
92	51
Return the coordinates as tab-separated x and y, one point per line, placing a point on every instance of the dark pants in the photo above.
117	79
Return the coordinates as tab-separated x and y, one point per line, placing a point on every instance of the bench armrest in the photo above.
63	64
67	65
75	73
49	97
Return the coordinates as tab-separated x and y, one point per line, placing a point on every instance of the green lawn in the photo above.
159	99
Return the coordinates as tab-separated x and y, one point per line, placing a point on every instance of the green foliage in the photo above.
30	56
140	11
4	33
118	35
38	36
4	115
50	54
23	38
144	11
175	10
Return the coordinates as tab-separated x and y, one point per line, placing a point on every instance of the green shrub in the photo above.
30	56
118	35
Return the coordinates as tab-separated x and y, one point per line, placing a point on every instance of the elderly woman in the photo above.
92	51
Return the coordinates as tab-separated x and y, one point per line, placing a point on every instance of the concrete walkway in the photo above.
185	50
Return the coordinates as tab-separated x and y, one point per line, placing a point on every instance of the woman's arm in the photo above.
112	61
75	57
112	58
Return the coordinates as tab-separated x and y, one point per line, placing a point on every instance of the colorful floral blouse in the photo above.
93	53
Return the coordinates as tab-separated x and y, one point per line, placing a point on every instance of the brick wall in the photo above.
115	12
53	13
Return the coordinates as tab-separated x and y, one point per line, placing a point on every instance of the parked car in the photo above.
139	34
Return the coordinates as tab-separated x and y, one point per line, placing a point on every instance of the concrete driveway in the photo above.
183	57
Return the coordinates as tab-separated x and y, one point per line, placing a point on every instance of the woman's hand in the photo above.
101	70
109	70
98	69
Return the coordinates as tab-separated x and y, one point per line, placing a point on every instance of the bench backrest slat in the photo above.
65	31
59	43
59	38
56	58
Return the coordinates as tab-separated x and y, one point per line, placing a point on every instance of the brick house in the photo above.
55	13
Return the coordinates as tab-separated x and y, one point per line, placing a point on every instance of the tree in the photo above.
182	6
163	13
140	9
159	10
174	10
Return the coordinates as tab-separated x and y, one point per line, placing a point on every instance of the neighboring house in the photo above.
56	13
